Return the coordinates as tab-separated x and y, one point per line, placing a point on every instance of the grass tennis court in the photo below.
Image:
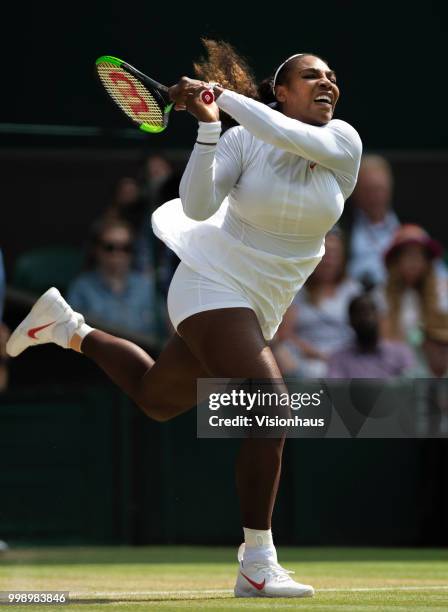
176	578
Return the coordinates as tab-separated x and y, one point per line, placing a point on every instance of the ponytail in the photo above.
225	66
228	68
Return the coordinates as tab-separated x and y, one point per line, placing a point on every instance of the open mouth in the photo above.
324	99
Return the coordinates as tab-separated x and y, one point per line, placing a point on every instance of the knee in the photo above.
271	447
157	410
161	416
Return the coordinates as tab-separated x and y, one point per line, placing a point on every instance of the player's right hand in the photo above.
186	96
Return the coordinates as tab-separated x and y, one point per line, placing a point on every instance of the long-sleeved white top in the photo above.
255	205
283	177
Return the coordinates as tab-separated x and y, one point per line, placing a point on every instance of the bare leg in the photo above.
221	343
230	342
258	469
124	362
162	389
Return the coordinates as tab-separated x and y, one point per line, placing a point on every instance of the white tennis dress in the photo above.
254	209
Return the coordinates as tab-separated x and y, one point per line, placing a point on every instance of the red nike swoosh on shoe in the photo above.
258	585
33	331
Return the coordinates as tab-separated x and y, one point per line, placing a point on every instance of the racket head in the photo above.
142	99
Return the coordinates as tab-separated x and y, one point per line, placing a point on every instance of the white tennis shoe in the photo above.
51	319
266	578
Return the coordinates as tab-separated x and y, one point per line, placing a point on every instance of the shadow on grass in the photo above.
179	555
123	600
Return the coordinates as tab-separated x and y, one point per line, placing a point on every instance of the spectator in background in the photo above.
369	356
374	222
134	203
110	291
166	260
156	178
129	205
156	171
2	285
433	353
285	347
4	330
415	291
317	323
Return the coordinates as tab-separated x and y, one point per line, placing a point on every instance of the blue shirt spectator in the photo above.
111	292
133	308
374	221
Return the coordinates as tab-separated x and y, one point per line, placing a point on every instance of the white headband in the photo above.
281	66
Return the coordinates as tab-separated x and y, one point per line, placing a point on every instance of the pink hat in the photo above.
413	234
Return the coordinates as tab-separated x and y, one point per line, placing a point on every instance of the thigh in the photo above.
222	343
228	342
170	384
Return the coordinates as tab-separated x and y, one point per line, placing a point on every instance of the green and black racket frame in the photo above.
145	101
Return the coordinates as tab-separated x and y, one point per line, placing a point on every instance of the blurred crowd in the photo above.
377	304
375	307
128	270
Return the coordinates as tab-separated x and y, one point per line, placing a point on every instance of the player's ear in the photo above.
280	93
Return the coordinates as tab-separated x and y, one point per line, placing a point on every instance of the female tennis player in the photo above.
249	228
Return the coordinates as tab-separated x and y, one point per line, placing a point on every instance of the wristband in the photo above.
209	133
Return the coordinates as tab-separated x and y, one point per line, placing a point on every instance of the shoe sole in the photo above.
304	594
18	342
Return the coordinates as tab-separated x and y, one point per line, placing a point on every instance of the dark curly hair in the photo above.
224	65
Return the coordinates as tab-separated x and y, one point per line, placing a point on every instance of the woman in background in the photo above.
317	323
110	290
416	288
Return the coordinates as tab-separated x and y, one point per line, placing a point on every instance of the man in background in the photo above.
369	356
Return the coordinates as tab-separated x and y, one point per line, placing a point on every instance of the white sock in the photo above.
259	544
83	330
64	332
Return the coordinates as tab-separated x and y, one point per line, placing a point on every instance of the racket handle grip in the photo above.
207	96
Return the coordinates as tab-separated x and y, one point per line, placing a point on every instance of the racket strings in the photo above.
130	95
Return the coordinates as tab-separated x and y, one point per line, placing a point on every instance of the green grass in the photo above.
177	578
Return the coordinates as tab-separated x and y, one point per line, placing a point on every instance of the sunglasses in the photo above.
112	247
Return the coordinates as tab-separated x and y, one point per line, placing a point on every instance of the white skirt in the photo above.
190	293
239	274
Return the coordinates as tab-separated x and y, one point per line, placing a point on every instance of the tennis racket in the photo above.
145	101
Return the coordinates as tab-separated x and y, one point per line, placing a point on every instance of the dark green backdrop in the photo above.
80	464
390	58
